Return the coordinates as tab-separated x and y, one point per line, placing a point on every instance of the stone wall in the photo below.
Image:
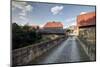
23	56
88	37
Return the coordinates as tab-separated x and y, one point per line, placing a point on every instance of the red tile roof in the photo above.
86	19
53	25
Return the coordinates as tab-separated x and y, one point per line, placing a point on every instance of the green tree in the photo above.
22	36
68	30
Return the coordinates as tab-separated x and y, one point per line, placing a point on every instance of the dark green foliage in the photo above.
22	36
68	30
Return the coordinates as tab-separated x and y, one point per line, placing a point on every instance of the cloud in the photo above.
73	23
70	19
55	10
22	13
18	5
28	8
70	22
83	13
22	17
24	8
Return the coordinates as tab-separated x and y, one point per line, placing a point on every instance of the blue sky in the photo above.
35	13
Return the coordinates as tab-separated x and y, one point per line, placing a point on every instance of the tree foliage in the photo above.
68	30
22	36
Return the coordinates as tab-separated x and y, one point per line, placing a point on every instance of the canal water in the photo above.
69	51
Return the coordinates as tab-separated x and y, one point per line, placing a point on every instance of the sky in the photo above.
37	13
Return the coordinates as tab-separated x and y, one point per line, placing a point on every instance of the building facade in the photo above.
87	26
87	31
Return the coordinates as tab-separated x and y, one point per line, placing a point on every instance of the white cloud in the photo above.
22	17
24	8
55	10
22	13
28	8
83	13
73	23
19	5
70	22
70	19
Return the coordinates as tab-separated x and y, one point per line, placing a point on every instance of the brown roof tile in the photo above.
53	24
86	19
